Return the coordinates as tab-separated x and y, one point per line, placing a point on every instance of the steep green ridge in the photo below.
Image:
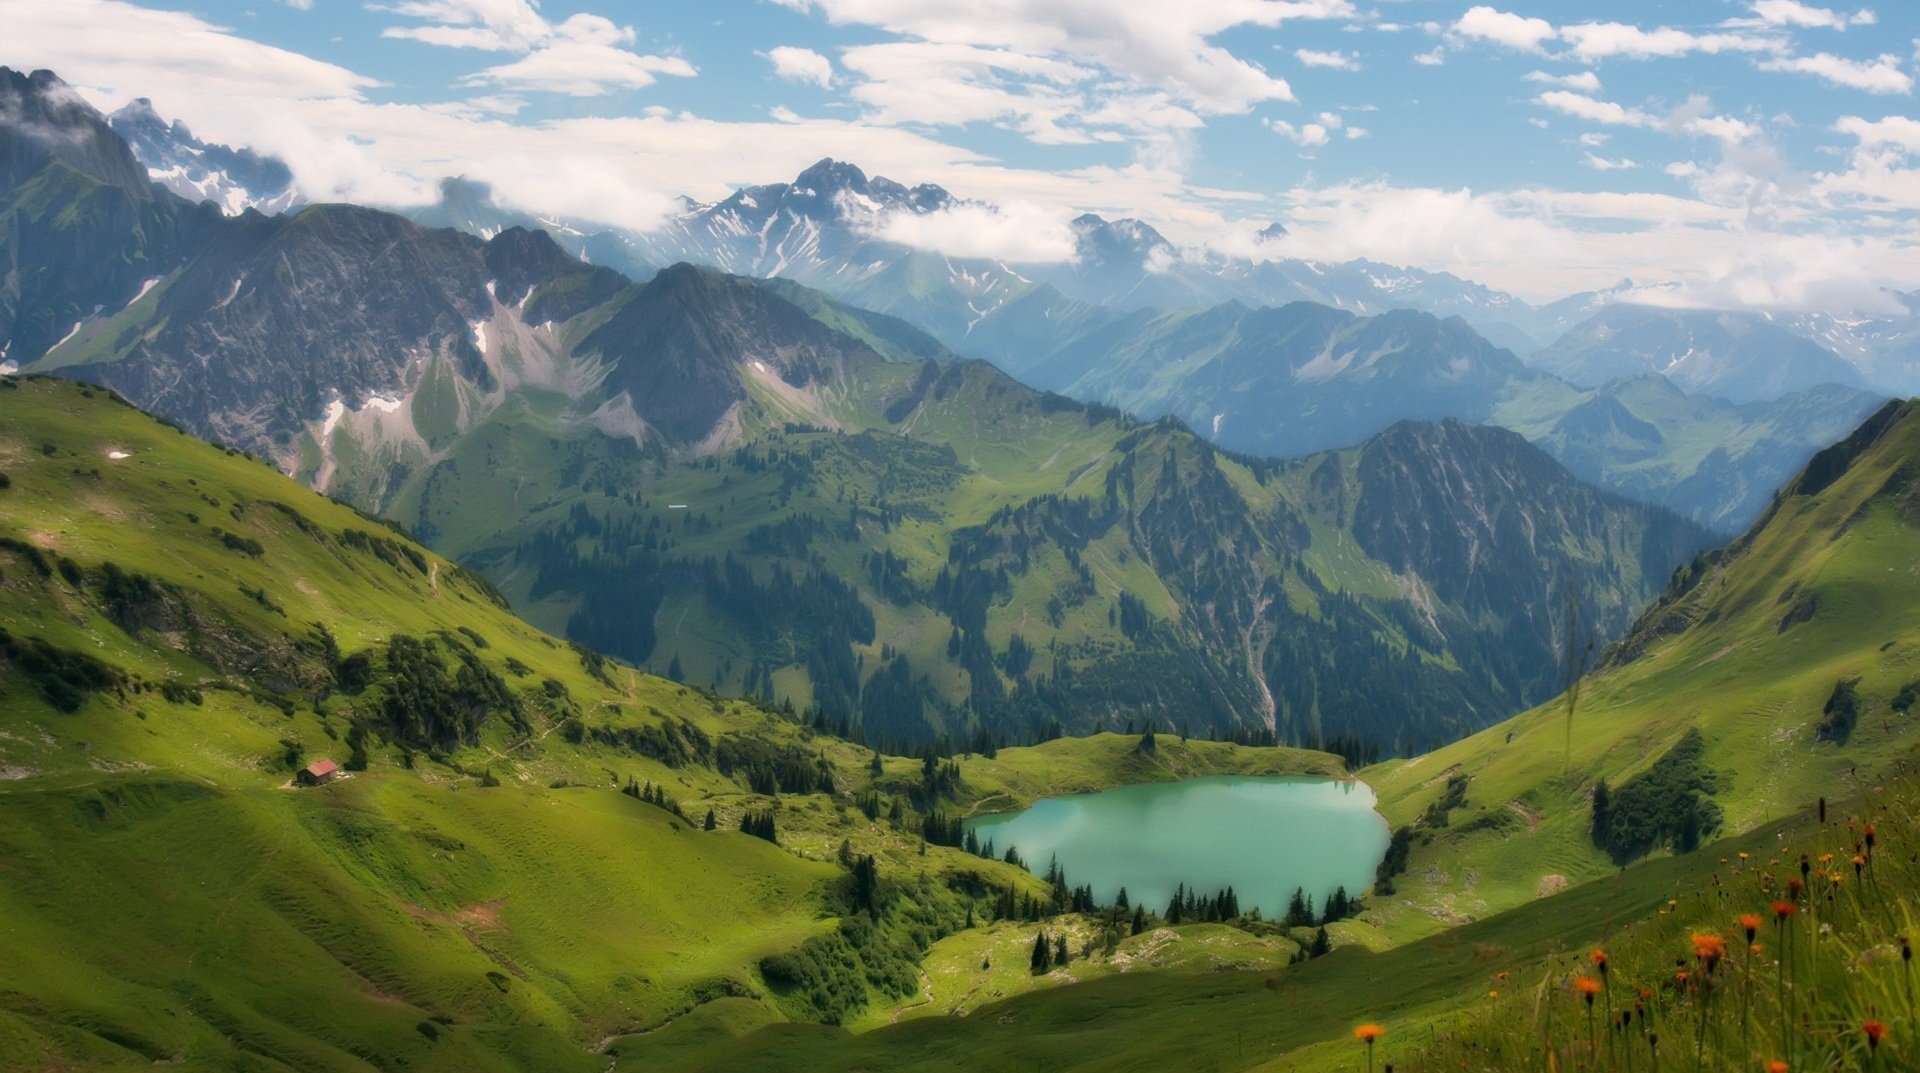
183	626
1791	653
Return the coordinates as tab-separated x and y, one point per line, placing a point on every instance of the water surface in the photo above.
1264	836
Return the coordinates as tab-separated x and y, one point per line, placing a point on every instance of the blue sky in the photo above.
1747	152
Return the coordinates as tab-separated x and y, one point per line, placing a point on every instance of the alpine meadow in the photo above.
809	536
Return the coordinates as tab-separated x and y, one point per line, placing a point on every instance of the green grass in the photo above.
1299	1018
171	898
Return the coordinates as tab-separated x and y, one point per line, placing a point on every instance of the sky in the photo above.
1722	153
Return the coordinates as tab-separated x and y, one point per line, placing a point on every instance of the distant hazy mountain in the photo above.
1714	461
1885	347
823	229
234	179
1304	378
465	205
1271	381
1742	357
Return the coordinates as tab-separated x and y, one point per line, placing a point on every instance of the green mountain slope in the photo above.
1791	653
182	627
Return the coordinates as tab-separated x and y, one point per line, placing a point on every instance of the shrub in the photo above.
65	678
1842	711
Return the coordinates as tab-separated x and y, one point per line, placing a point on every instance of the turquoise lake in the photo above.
1262	836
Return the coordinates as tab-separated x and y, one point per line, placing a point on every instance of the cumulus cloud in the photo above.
1594	110
1305	135
1795	13
1740	225
1145	43
1021	232
1339	61
1902	132
584	55
1582	81
1593	41
1521	32
801	65
1881	75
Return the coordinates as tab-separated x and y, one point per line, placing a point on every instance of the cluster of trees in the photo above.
428	705
1188	906
1339	906
673	742
760	825
1669	804
773	768
1049	955
657	797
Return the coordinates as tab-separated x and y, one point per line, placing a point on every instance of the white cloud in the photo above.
1882	75
1583	81
954	84
1504	28
1594	110
1307	135
1021	232
1794	13
801	65
1600	163
1339	61
1592	41
1148	43
1741	227
1899	131
1723	128
583	56
1433	57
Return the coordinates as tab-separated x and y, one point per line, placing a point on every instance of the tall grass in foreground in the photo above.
1799	958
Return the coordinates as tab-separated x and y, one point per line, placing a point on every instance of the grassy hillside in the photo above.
183	626
1791	653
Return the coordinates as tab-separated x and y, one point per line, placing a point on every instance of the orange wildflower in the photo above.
1777	1066
1710	948
1588	986
1783	910
1368	1033
1875	1032
1750	923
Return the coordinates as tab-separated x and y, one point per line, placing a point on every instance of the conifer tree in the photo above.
1042	954
711	821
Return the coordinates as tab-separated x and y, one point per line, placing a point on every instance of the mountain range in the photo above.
751	485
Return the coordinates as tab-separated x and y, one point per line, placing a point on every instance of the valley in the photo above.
842	624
